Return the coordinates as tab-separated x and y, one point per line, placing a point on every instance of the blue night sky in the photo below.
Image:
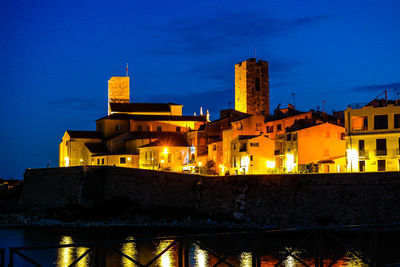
56	58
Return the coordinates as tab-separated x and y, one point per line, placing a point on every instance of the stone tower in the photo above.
252	87
118	91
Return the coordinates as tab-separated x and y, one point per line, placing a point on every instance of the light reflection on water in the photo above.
130	250
167	258
246	259
66	255
199	256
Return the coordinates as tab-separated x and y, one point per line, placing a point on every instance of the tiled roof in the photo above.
141	107
152	135
244	137
85	134
122	116
169	141
97	148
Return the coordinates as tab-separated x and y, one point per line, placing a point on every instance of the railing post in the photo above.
100	257
2	257
11	258
183	256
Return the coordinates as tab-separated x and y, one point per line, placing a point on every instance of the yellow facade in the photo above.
252	155
171	158
252	87
373	138
73	152
118	91
123	160
322	142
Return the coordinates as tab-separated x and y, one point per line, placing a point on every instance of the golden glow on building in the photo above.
270	164
66	160
290	164
352	160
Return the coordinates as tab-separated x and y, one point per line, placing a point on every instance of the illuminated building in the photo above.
250	154
252	87
373	137
126	128
170	153
311	146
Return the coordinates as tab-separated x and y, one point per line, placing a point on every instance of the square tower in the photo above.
252	87
118	91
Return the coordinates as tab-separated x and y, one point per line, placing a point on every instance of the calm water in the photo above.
241	248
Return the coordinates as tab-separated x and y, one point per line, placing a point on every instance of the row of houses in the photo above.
244	140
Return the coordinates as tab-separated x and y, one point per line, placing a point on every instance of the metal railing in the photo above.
363	154
380	152
360	242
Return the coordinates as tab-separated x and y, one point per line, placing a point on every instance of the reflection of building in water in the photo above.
129	249
200	257
167	258
84	262
246	259
66	255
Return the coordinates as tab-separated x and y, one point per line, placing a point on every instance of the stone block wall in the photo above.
271	200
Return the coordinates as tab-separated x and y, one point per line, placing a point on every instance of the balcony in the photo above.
380	152
363	154
278	152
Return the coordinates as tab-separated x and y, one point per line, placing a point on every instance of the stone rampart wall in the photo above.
274	200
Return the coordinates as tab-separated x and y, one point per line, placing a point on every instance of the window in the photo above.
341	136
288	137
294	137
381	147
380	122
214	147
359	123
361	148
257	83
122	160
234	147
279	127
102	161
251	157
270	129
381	165
140	128
254	144
159	128
396	120
243	147
98	161
361	166
234	162
117	127
145	155
169	157
178	129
